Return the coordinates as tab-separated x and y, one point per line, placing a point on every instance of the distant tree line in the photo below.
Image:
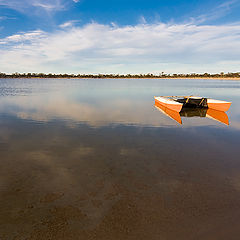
148	75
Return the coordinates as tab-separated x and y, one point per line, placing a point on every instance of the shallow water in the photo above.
94	159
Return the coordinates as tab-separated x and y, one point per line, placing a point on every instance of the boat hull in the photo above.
170	104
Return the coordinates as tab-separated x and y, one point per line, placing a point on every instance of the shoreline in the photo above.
171	78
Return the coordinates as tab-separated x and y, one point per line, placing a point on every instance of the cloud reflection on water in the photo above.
105	102
97	113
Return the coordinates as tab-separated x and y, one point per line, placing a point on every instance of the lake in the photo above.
95	159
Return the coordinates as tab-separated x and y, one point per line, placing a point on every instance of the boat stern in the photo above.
218	104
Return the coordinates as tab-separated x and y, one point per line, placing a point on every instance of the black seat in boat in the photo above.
193	102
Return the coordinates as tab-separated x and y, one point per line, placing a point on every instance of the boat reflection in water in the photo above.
219	116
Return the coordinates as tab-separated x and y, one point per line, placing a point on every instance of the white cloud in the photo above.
228	4
142	48
68	24
2	18
24	37
142	20
219	11
24	5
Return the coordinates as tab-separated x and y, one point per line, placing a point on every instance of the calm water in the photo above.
94	159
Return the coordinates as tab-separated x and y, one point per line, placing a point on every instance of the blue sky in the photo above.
119	36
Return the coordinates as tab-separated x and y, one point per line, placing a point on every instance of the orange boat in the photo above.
176	103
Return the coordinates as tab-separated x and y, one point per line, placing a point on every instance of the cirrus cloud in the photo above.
25	5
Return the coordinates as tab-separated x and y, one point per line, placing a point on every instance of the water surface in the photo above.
94	159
